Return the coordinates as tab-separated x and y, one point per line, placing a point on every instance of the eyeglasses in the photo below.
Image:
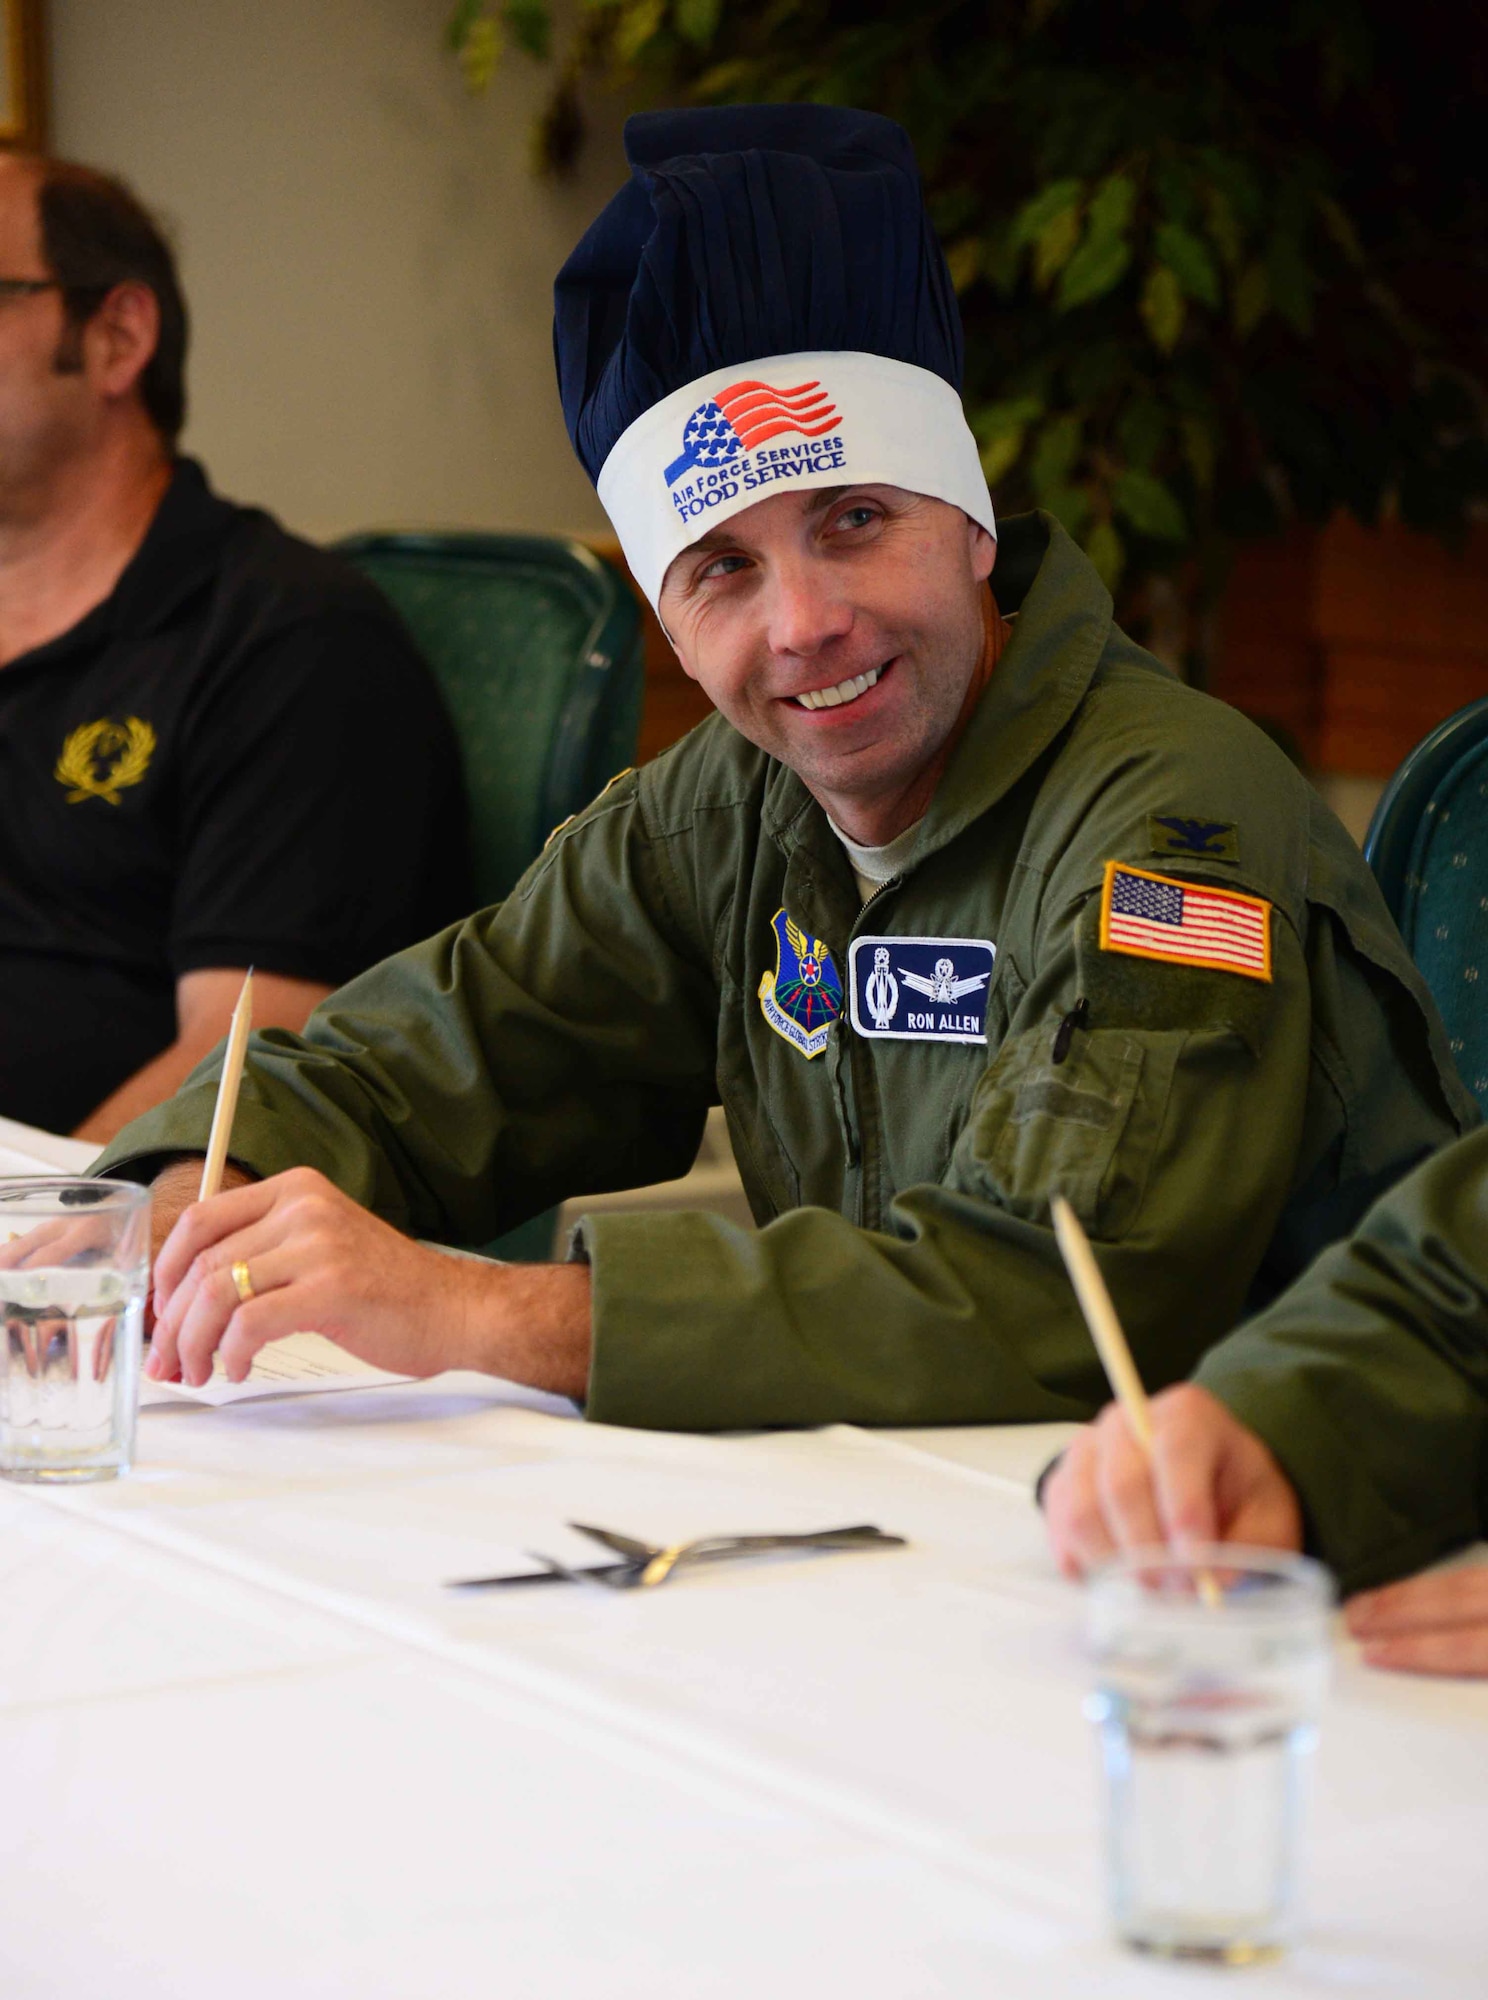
22	288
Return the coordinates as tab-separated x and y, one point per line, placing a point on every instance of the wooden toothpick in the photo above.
1110	1342
227	1091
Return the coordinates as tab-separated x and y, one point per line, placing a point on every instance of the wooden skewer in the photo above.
227	1091
1110	1342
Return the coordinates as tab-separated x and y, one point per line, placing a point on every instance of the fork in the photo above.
621	1545
647	1566
644	1565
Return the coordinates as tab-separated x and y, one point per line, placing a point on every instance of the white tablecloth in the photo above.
251	1747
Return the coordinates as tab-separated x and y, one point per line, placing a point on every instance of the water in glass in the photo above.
1206	1705
73	1273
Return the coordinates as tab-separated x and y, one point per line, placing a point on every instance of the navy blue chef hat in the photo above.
789	235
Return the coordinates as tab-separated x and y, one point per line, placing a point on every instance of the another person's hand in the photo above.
318	1262
1434	1624
1209	1479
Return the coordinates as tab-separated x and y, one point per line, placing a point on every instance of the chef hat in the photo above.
763	305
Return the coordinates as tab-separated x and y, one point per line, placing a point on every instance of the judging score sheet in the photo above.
300	1364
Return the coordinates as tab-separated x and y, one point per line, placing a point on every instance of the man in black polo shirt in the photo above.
217	745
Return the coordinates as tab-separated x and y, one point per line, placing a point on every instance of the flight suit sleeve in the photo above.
1170	1117
1368	1379
563	1039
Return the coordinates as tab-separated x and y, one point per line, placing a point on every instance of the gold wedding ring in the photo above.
243	1282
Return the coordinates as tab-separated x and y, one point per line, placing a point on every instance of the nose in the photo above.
807	608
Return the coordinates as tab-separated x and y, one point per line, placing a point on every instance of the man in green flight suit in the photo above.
958	900
1352	1414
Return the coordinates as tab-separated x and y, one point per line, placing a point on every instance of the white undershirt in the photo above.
873	866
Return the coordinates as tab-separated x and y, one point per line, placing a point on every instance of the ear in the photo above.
682	660
982	548
120	339
666	631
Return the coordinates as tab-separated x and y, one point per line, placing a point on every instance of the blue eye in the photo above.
856	517
723	566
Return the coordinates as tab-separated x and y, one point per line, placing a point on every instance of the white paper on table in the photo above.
26	1149
301	1364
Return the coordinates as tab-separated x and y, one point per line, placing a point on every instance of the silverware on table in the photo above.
643	1565
622	1545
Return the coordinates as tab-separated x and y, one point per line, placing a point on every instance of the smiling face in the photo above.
841	630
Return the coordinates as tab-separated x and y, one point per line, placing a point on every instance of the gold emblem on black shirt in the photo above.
100	758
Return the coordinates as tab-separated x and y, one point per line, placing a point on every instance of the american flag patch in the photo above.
1152	916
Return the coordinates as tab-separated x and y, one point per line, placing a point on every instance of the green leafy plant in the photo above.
477	35
1220	267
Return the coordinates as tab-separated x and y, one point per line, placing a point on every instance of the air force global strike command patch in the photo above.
802	997
920	989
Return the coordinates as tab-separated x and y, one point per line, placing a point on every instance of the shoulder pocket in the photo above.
1088	1128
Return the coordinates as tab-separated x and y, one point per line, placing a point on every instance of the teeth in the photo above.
833	697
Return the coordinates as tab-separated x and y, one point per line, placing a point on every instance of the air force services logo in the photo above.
802	997
919	989
724	443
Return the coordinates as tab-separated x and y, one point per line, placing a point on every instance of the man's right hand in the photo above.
175	1189
1209	1479
172	1192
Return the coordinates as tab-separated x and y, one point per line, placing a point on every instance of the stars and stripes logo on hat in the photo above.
809	419
746	415
1154	916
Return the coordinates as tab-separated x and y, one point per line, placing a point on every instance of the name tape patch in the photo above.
1185	923
920	989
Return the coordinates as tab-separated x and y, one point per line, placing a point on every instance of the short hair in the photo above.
96	233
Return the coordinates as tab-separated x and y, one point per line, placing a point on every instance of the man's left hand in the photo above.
1433	1624
317	1262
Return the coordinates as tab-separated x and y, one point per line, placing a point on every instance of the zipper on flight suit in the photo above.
865	1149
837	1054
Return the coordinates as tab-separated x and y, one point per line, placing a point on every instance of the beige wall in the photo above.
368	260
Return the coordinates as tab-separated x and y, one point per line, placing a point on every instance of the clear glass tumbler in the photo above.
74	1269
1210	1673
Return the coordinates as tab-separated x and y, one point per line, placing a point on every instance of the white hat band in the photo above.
741	434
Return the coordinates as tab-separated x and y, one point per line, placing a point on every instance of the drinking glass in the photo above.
1210	1673
74	1268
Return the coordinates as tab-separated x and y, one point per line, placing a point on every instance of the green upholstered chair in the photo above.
536	645
1428	847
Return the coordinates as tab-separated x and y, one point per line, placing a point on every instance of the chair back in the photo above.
536	646
1428	847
